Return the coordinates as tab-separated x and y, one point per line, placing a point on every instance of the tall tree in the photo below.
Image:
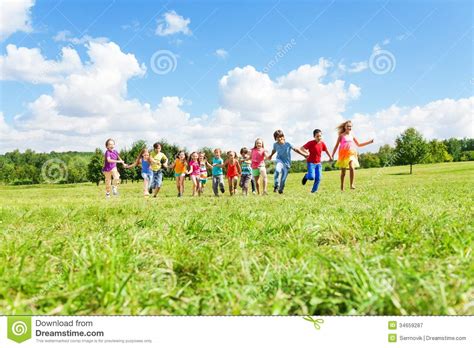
94	168
410	148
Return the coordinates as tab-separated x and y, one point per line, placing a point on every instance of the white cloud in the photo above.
66	36
28	64
440	119
90	103
358	67
172	23
15	15
221	53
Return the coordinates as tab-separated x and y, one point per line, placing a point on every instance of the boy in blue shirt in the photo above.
217	173
283	160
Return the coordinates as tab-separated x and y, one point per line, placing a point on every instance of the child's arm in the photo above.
269	158
221	165
165	165
329	155
304	151
128	166
239	168
336	146
363	144
304	154
110	160
208	165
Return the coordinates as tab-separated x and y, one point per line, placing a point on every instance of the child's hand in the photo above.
371	141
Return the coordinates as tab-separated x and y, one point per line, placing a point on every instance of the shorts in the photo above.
177	175
259	171
203	181
157	179
245	180
147	176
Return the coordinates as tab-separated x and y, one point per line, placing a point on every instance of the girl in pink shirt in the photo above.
195	172
258	155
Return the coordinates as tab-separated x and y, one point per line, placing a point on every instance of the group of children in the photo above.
249	167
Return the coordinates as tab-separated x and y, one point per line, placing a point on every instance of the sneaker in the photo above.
280	191
107	195
304	180
179	194
254	192
222	190
150	190
275	189
114	190
264	193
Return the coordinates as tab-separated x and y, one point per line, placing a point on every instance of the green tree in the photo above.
369	160
410	148
386	155
437	152
454	148
94	168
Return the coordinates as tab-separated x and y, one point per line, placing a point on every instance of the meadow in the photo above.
397	245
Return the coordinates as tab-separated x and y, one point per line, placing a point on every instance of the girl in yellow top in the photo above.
180	166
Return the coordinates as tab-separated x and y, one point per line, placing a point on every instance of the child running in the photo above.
180	166
246	167
217	173
203	165
232	171
111	158
283	160
158	161
194	172
315	169
347	157
258	155
143	160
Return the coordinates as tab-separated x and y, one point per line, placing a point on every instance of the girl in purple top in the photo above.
144	161
195	172
112	176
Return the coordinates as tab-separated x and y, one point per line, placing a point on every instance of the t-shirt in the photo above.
180	167
196	168
159	157
146	167
258	158
315	150
283	153
217	170
246	168
108	166
203	170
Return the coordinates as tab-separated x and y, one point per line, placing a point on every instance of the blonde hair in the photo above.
342	127
255	145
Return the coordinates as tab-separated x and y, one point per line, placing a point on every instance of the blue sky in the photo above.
431	43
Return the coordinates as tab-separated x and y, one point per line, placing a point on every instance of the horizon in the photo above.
222	74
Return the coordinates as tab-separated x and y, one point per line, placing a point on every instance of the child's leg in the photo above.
317	177
257	183
284	175
178	183
145	184
229	182
263	174
343	174
215	185
311	171
278	169
235	180
221	183
252	181
116	177
157	179
352	174
108	182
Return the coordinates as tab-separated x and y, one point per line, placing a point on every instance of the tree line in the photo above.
29	167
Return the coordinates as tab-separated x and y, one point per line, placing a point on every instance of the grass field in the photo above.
399	244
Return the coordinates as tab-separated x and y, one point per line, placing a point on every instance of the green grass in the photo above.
398	245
